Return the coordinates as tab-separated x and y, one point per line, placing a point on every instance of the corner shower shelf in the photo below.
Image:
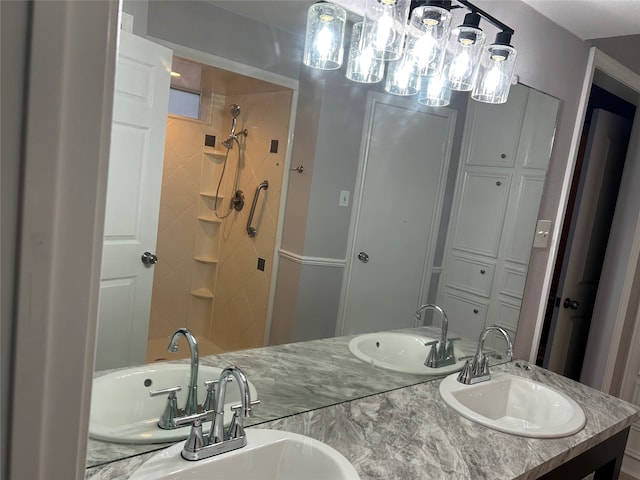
202	293
209	219
204	259
210	195
214	152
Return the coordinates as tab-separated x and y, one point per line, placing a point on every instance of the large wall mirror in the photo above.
295	205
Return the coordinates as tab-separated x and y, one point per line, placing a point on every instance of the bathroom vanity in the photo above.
408	432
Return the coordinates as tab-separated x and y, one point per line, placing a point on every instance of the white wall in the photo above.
139	9
624	49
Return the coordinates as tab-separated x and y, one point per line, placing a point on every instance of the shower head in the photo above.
234	110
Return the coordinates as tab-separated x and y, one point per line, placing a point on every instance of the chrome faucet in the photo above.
191	406
219	440
477	369
441	353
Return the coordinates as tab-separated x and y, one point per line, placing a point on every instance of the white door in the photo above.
133	200
587	241
404	164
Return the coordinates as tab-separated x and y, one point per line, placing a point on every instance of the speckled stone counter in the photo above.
292	379
410	434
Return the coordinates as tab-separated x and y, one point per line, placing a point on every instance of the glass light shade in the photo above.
463	57
494	77
323	46
433	92
362	65
402	78
384	26
427	36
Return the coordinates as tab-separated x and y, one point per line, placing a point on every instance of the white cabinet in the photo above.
504	158
481	213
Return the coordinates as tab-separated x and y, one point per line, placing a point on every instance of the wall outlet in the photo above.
543	232
344	198
261	262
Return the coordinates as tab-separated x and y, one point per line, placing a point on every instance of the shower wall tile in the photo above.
240	312
172	305
236	318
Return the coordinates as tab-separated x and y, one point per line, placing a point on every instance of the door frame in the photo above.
66	138
372	99
600	61
259	74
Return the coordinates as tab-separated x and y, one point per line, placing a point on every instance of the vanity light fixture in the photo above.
423	52
463	56
384	25
427	38
433	92
363	66
402	78
494	78
324	39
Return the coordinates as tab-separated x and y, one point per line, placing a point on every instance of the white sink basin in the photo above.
399	352
122	410
268	455
515	405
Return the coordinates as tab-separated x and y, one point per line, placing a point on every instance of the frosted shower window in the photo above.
185	104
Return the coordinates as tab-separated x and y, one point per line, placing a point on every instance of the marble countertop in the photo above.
291	379
410	433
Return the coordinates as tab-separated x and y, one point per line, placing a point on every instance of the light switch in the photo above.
543	232
344	198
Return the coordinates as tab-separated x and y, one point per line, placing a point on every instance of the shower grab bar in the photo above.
252	230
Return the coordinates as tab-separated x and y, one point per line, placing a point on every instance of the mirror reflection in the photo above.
272	203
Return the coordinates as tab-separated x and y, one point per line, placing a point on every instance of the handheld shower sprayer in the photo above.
234	109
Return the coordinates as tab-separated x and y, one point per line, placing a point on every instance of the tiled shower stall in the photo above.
208	278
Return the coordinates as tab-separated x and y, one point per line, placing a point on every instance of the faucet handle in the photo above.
236	427
196	419
171	391
196	440
171	409
432	357
466	374
237	409
449	352
209	402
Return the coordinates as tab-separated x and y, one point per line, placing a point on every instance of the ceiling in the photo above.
589	19
586	19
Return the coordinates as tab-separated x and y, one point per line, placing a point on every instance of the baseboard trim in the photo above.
313	261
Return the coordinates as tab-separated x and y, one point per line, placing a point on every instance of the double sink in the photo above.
123	411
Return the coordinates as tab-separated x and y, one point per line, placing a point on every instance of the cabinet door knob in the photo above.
475	310
363	257
498	183
483	271
504	155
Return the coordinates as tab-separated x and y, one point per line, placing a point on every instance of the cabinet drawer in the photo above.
467	315
470	275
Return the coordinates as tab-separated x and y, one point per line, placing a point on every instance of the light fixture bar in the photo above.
489	18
